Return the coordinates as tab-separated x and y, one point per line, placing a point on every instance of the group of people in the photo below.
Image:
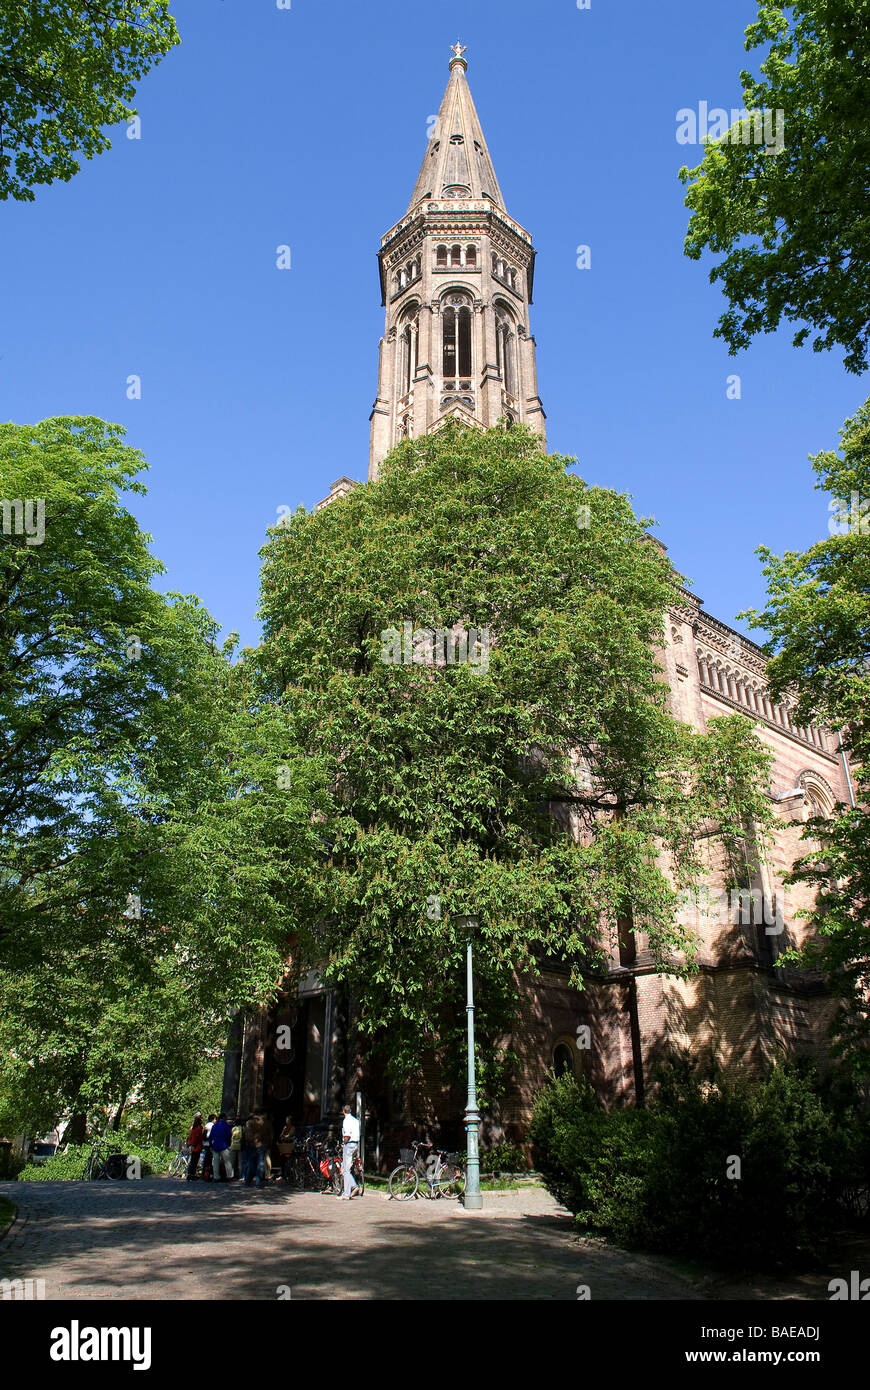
240	1149
230	1148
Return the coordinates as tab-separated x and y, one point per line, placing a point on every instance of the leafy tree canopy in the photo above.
67	72
152	863
791	227
454	784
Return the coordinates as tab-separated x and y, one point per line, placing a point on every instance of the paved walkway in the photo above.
160	1239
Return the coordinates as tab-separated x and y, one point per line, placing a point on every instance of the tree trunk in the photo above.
76	1130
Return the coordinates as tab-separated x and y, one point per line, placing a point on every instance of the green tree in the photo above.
151	860
67	72
818	618
454	784
791	227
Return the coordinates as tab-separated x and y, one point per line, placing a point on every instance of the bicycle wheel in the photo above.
403	1183
452	1182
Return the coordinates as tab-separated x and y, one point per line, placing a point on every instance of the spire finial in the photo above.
457	50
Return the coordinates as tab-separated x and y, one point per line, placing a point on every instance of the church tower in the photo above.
456	281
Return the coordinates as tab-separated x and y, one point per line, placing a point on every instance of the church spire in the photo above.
456	282
457	157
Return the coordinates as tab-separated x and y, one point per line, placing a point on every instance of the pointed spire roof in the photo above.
457	162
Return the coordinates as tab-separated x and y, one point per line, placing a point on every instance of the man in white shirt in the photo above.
349	1147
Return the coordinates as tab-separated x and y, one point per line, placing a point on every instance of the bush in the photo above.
10	1163
741	1174
69	1164
594	1162
503	1158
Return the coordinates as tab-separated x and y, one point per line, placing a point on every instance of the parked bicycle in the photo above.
442	1174
178	1163
307	1167
104	1161
337	1173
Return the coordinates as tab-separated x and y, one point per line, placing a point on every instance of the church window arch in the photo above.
441	256
505	347
456	255
471	255
408	348
456	336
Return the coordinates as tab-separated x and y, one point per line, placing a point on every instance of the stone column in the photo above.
425	400
489	387
533	410
382	414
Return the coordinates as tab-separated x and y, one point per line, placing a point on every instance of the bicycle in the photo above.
178	1163
104	1162
337	1175
445	1180
306	1170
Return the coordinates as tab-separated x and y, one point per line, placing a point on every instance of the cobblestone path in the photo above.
160	1239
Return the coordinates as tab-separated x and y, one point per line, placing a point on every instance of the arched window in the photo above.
563	1060
408	350
456	339
441	256
494	264
471	255
505	351
819	798
456	255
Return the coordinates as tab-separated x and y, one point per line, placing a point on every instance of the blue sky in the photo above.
306	127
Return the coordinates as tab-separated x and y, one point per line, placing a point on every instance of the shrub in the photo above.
594	1162
797	1160
69	1164
743	1174
503	1158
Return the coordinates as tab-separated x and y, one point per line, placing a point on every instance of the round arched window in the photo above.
563	1061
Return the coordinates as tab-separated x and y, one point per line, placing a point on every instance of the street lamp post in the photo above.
473	1199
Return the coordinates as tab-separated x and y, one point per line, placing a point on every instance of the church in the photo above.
456	280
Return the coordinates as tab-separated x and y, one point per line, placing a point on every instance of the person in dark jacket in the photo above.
220	1139
194	1143
258	1140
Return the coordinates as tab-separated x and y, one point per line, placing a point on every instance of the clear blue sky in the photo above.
307	127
